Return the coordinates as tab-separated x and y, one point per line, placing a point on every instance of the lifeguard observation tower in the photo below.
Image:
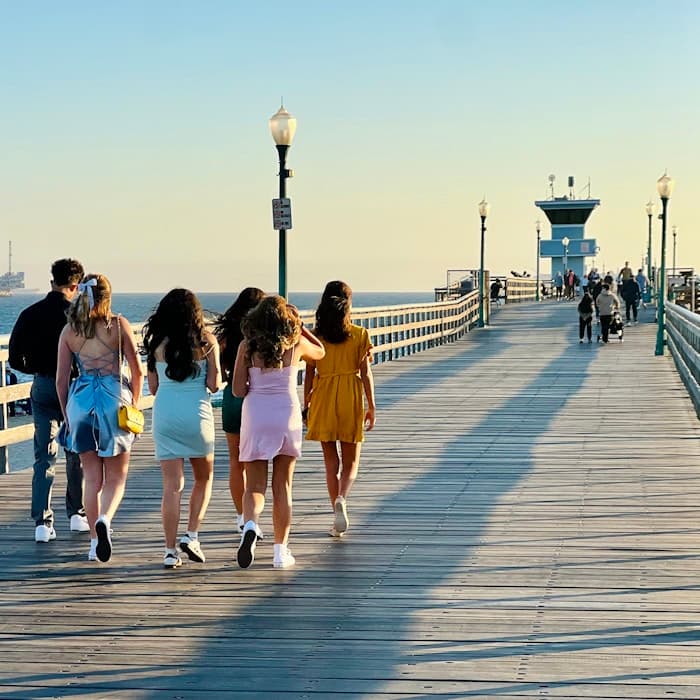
568	247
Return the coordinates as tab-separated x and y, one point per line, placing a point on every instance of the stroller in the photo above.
617	327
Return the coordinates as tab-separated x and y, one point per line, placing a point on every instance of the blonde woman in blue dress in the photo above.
182	358
92	337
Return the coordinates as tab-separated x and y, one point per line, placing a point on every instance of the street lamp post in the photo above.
483	213
650	214
282	126
674	230
565	243
537	291
664	187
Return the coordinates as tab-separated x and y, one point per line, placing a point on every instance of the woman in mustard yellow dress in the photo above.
335	389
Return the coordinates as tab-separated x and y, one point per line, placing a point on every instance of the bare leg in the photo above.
350	455
255	487
332	462
236	472
173	484
93	475
115	471
203	470
282	475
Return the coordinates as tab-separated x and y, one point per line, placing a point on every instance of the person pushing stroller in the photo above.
607	304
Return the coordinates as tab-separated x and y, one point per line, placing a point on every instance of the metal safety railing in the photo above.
683	340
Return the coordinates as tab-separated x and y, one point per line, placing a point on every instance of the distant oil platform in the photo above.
12	282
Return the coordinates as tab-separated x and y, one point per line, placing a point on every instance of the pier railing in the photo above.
395	331
683	339
520	289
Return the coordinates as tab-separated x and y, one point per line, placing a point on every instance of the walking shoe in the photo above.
283	558
246	549
580	341
104	539
79	523
340	522
92	552
334	533
172	560
192	549
44	533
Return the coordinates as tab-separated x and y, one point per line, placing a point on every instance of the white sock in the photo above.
193	535
171	550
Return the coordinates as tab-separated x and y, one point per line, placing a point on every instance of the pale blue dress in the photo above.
94	397
183	420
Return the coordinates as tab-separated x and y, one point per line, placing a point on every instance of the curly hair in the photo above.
333	313
227	327
91	304
178	320
271	328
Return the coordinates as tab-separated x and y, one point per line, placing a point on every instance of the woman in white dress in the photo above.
182	358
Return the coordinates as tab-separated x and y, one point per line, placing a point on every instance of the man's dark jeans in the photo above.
605	322
47	418
633	306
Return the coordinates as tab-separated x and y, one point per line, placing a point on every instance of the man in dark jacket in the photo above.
631	295
33	349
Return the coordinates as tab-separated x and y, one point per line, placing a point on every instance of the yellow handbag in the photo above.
129	417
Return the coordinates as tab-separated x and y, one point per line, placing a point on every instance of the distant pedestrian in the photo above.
229	334
333	394
626	272
558	285
607	304
97	340
182	358
643	283
631	296
265	373
33	350
585	317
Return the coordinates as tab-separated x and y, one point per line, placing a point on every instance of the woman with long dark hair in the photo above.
97	340
333	396
182	358
265	373
228	332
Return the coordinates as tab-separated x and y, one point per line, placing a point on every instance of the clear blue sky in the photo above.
134	134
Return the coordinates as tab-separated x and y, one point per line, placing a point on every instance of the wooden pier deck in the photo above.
526	524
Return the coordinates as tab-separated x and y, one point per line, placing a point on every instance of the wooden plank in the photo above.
525	524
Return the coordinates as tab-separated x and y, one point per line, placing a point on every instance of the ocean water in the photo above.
137	307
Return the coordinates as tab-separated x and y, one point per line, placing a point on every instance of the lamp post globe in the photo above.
664	186
483	213
283	126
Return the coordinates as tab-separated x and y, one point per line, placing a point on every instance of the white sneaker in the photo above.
171	560
334	533
283	558
246	549
92	552
79	523
104	539
44	533
192	549
340	522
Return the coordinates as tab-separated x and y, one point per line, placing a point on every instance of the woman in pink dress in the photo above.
265	373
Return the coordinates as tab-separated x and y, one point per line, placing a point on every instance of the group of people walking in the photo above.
86	364
600	299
